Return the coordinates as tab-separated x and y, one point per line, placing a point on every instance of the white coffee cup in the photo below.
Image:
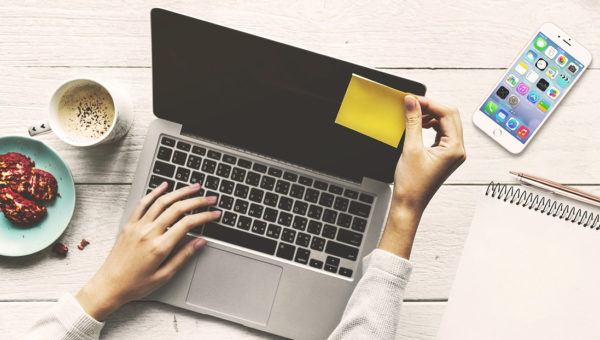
121	122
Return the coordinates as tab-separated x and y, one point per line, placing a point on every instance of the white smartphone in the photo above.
531	89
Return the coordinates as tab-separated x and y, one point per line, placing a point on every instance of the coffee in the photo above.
85	112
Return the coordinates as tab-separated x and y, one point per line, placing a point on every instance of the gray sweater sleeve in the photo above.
374	308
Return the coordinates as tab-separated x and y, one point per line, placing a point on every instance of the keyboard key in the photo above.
285	203
259	227
315	212
179	157
329	231
341	250
244	222
282	187
244	163
198	150
194	162
214	154
335	189
255	210
229	218
317	243
330	216
209	166
316	263
212	193
297	191
288	235
300	207
223	170
238	174
305	181
286	251
366	198
349	237
334	261
345	272
163	169
229	159
284	219
351	193
184	146
359	209
270	215
311	195
330	268
273	231
326	199
240	206
182	174
197	177
271	199
156	181
240	238
267	183
256	195
290	176
212	182
167	141
340	204
226	186
344	220
302	255
241	191
253	178
226	202
299	223
359	224
314	227
320	185
303	239
164	153
259	167
275	172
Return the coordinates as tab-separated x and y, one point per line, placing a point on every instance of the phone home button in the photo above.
497	132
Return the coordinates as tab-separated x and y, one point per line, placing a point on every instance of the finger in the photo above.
177	209
165	201
179	229
145	202
175	262
432	107
414	128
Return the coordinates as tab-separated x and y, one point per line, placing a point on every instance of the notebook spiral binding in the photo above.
544	205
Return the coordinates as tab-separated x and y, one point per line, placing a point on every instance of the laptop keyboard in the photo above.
268	209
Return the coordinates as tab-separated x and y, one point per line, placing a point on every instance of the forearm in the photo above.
400	228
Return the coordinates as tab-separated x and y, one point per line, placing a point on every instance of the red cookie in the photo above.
15	170
42	185
19	209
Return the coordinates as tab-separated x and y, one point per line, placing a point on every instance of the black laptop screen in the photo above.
264	97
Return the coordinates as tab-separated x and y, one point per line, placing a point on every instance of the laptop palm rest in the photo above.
234	285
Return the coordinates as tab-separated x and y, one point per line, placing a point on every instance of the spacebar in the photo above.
240	238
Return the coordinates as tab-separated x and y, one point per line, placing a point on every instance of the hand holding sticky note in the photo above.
373	109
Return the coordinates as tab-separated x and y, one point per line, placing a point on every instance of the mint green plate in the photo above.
18	241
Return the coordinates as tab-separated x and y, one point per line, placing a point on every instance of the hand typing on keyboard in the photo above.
139	262
421	170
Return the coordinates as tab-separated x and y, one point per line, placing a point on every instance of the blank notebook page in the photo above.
525	275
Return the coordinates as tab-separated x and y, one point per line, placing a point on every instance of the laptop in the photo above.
302	198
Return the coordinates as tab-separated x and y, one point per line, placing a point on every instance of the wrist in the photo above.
400	229
97	301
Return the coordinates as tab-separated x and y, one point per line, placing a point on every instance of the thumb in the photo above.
414	123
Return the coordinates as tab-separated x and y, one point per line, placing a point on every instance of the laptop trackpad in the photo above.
234	285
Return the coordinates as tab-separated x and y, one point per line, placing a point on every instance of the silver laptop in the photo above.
302	198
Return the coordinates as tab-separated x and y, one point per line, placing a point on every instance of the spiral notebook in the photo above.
530	269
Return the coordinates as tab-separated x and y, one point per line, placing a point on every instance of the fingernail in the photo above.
162	185
199	243
216	213
410	103
195	186
211	199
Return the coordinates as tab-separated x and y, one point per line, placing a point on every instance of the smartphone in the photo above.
531	89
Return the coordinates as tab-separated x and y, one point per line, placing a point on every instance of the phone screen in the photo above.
531	88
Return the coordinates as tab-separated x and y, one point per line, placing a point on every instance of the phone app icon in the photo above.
533	96
542	84
550	52
502	92
541	64
512	80
491	107
513	100
572	68
553	92
501	116
532	76
543	106
522	88
563	80
540	44
523	132
531	56
561	60
512	124
551	72
521	68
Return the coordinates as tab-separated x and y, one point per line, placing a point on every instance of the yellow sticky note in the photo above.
374	110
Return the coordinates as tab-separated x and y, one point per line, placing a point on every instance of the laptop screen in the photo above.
265	97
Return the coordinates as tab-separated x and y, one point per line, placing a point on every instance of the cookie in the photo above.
42	186
15	170
20	209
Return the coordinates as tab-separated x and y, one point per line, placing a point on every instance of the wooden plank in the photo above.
139	320
572	127
464	34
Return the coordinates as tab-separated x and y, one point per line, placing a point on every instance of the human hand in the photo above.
421	170
139	262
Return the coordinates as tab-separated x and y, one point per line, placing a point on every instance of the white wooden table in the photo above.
458	49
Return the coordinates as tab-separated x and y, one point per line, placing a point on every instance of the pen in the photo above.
557	188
